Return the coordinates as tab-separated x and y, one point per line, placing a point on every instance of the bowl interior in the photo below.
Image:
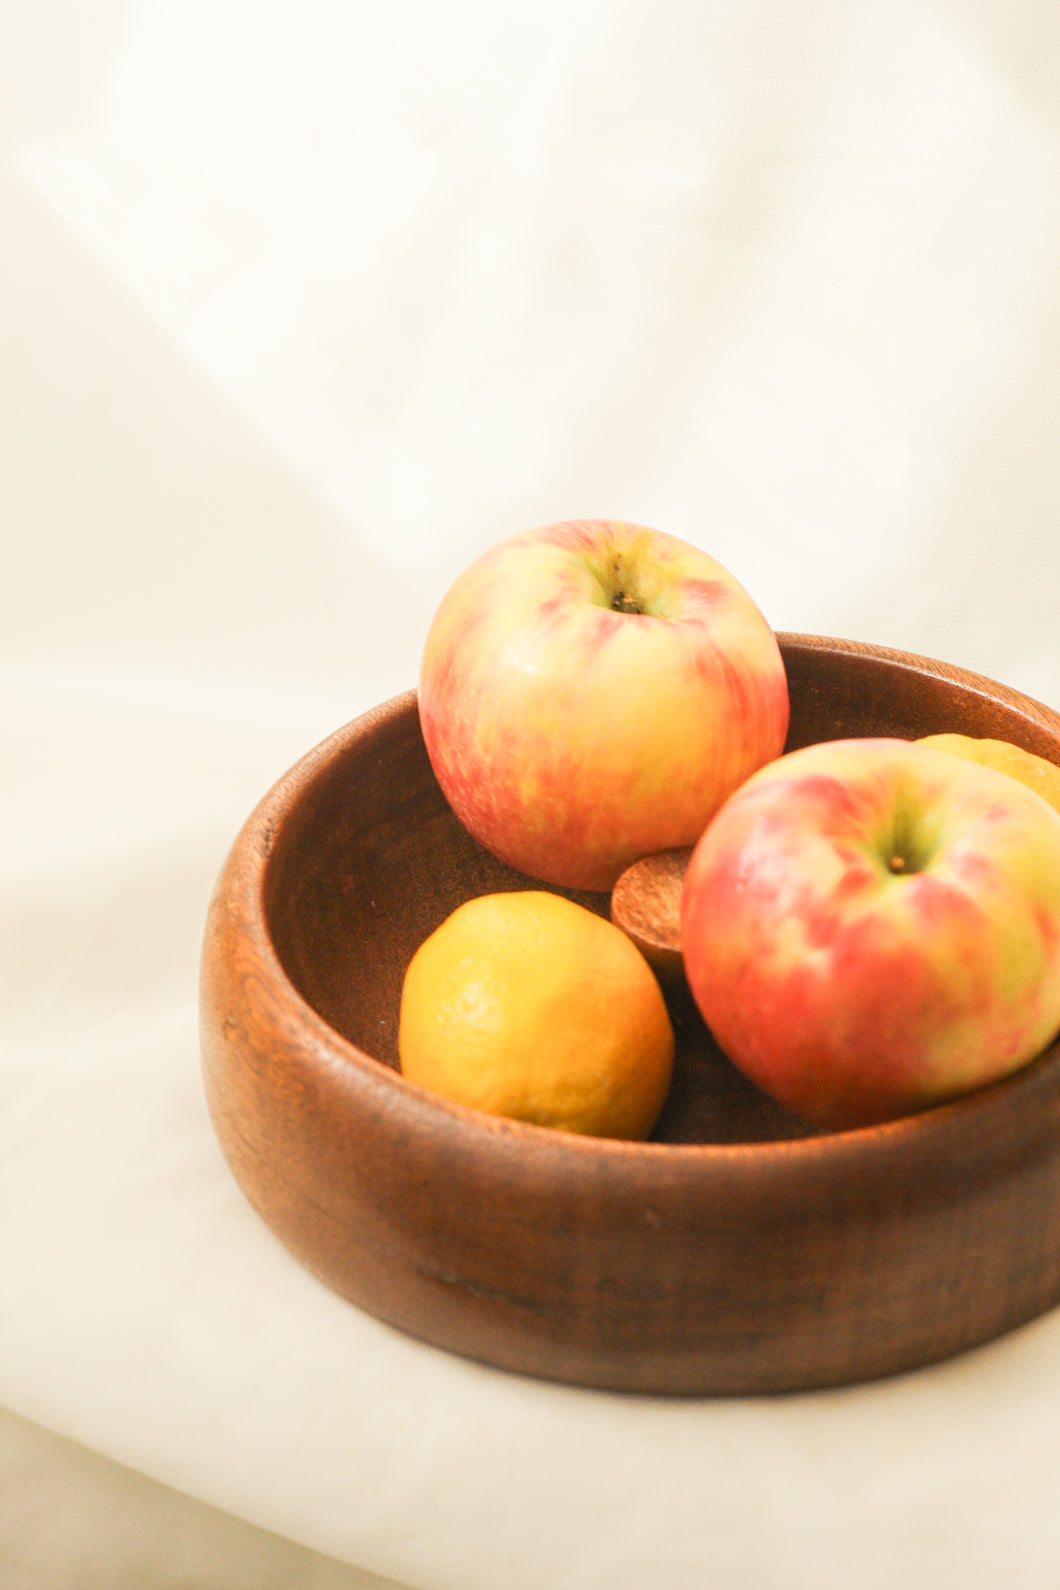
368	860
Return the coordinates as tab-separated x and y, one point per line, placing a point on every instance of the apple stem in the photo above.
897	864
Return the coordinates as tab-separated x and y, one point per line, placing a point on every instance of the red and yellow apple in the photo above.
591	692
872	926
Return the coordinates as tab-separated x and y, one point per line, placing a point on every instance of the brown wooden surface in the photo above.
736	1252
646	904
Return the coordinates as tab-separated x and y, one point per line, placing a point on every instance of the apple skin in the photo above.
571	738
854	993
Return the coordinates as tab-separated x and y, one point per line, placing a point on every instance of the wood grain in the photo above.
736	1252
646	904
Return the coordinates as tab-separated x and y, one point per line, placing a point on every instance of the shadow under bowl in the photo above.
737	1251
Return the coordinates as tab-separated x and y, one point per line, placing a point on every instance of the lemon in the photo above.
1034	771
529	1006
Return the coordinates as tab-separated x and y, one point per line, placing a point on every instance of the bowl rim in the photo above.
256	845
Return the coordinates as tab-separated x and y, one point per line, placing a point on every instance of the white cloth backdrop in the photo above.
301	306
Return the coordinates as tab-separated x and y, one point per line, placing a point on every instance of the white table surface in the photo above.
300	308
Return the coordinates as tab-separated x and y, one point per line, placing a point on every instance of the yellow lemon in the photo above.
1034	771
530	1006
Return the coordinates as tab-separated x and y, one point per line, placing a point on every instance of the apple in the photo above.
872	926
592	691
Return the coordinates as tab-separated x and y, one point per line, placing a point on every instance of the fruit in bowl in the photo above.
731	1254
591	692
1035	771
872	926
527	1005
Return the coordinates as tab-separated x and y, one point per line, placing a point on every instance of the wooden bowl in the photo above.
736	1252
